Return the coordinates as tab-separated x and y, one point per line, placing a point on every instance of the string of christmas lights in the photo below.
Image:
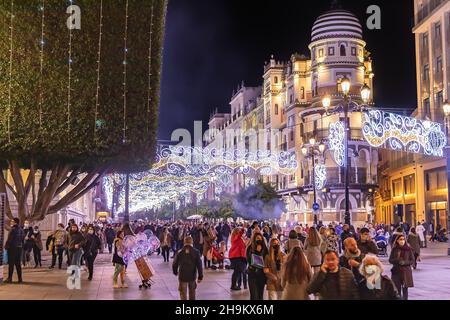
42	43
8	113
99	57
150	68
69	84
125	52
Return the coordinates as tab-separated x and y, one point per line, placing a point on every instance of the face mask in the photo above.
91	231
371	269
36	231
26	225
402	242
259	242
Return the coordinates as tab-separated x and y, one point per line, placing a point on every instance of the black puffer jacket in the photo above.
15	238
347	287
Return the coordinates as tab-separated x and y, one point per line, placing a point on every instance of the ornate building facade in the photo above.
415	186
286	112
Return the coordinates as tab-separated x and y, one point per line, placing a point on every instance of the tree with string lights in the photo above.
75	104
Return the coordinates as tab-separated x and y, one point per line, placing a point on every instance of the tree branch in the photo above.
5	182
69	180
3	190
30	178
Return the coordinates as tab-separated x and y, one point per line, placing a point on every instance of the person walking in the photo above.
37	247
332	240
346	233
352	258
292	242
187	265
28	243
119	264
14	246
110	235
238	259
91	249
272	269
420	230
225	231
365	243
333	282
413	241
256	254
312	249
431	231
166	241
375	285
295	276
55	245
75	242
323	232
402	258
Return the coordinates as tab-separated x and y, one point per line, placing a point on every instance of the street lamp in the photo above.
309	151
446	108
346	106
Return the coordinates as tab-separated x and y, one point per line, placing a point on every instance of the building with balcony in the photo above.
286	111
414	183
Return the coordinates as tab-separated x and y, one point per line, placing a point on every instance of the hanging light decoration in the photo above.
336	142
320	176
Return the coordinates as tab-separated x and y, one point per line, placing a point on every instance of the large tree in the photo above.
75	104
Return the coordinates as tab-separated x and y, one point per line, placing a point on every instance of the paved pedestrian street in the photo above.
432	282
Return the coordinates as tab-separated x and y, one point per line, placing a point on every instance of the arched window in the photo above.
343	51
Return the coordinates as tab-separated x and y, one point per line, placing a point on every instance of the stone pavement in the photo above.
432	282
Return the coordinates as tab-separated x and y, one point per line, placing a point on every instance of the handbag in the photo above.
257	261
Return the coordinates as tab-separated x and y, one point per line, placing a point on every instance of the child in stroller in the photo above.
382	243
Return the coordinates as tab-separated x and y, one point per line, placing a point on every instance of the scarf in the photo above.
374	280
350	255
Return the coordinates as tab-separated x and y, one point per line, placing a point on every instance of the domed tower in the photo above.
338	50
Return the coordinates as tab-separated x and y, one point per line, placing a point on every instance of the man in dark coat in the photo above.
333	282
346	233
187	265
365	243
110	235
225	231
14	246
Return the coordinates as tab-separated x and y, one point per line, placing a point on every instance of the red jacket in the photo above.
238	248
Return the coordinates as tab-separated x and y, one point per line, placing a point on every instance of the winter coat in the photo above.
348	289
388	290
110	235
420	230
291	244
273	276
75	238
118	251
207	242
37	238
237	249
169	239
333	242
367	247
293	291
414	243
313	254
92	245
402	259
323	244
188	264
343	262
15	238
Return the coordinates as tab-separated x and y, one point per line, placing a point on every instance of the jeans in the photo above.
14	260
256	284
75	257
58	252
238	265
225	239
90	264
37	256
183	288
165	253
110	247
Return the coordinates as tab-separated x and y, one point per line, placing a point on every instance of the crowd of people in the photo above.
297	262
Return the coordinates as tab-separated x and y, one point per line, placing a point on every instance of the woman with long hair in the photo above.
323	232
119	264
312	249
272	269
256	253
295	276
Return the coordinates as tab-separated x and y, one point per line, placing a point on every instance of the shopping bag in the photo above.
5	256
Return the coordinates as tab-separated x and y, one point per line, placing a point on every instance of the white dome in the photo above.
337	24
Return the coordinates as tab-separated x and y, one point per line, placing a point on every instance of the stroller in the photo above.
382	245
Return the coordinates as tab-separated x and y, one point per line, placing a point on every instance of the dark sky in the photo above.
212	45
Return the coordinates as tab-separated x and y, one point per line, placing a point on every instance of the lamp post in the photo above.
310	151
447	126
346	106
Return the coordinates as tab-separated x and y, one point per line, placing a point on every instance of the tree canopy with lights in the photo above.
75	104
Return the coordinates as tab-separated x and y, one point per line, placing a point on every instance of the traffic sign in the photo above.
316	207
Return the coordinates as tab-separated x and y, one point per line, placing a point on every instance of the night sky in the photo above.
212	45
